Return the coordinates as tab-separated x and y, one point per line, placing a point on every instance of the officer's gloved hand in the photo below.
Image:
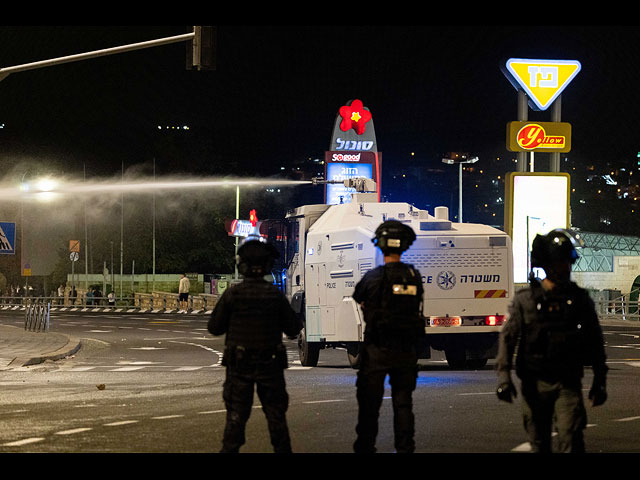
506	391
598	392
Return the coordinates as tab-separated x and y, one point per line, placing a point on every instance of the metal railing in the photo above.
625	307
36	315
156	301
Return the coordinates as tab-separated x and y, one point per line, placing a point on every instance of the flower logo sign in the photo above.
354	117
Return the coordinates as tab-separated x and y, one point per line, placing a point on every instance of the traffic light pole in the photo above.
4	72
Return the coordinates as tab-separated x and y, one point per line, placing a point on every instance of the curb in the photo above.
70	349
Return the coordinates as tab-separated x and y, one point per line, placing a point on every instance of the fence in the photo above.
36	315
623	307
156	302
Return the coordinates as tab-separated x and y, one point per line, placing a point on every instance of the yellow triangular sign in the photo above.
542	80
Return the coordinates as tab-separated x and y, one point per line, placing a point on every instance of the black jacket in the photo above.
555	345
391	298
254	314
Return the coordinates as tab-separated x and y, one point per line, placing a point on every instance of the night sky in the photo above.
274	96
276	91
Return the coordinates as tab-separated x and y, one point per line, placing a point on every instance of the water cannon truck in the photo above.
466	269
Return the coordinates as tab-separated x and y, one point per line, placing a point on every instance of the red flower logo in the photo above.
354	116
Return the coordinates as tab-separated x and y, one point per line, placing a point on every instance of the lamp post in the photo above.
459	159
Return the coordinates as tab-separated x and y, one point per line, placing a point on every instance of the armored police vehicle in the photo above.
466	273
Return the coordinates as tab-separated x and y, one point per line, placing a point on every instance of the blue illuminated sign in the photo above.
7	238
337	193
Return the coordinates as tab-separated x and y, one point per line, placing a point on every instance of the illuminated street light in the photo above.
459	159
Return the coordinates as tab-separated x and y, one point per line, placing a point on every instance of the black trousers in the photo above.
548	404
402	369
238	390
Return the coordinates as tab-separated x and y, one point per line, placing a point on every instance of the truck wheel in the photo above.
353	354
308	352
456	358
476	363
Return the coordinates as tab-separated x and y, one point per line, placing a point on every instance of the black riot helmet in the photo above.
393	236
255	257
557	245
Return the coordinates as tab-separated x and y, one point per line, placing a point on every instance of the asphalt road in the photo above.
153	384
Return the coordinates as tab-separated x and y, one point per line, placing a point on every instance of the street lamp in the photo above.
459	159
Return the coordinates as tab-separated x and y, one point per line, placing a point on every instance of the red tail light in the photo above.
494	320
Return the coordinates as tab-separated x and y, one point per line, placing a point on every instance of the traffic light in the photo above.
201	52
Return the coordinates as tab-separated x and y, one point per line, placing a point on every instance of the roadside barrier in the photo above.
36	315
156	302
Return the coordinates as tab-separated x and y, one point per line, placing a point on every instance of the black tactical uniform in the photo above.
556	332
254	314
391	299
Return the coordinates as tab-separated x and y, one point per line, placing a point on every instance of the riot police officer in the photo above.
391	300
254	315
554	325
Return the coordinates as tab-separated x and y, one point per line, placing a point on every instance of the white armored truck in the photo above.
466	273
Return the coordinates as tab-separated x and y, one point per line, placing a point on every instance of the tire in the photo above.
476	363
456	358
309	352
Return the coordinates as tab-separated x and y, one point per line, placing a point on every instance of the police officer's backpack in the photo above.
398	313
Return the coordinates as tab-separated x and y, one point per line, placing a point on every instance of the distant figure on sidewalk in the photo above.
183	292
60	294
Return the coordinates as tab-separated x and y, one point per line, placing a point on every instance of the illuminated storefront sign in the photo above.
353	152
243	228
538	136
341	166
535	203
353	129
338	193
542	80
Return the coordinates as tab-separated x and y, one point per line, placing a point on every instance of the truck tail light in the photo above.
494	320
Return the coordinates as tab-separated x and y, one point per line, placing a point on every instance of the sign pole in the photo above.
555	117
523	113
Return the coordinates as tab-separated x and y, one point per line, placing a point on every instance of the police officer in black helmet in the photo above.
254	315
554	325
391	300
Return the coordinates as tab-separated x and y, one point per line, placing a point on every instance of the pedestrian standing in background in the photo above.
183	292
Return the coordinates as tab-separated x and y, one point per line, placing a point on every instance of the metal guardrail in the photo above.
158	302
625	307
36	315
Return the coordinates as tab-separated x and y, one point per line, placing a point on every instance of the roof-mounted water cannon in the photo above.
360	184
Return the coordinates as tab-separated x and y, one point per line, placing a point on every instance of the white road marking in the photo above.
133	362
164	417
325	401
627	419
73	430
26	441
122	422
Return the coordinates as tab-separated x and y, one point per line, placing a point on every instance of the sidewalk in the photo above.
19	347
